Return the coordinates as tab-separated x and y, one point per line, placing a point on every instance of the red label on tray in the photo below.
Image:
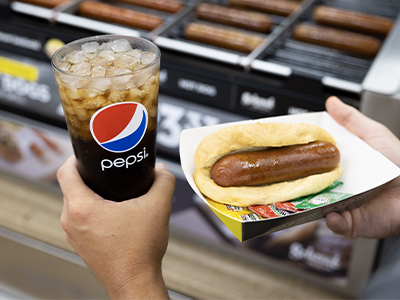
267	211
289	206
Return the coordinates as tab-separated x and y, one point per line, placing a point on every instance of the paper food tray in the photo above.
364	171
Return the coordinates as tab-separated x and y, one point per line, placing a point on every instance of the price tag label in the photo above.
173	119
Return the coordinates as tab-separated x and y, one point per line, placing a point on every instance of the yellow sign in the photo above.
17	69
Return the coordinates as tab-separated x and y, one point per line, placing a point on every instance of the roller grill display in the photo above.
280	76
279	54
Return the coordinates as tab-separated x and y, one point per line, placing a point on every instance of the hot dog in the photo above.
352	20
303	144
234	17
223	37
278	7
274	165
168	6
110	13
337	39
45	3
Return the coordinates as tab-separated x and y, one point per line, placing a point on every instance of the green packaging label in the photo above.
324	197
321	199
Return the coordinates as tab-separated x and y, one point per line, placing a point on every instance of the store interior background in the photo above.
200	85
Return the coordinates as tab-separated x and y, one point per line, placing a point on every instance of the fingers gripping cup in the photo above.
108	87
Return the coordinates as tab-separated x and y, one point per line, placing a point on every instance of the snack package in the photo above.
321	199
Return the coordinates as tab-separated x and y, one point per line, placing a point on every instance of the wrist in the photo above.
146	285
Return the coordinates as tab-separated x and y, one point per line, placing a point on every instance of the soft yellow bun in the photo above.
258	136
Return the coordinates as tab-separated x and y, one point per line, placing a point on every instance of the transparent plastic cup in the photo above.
108	87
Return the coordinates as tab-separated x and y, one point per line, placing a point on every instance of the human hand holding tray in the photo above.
365	171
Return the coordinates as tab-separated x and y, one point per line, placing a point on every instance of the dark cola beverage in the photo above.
108	87
117	176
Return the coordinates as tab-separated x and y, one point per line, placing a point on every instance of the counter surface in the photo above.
190	269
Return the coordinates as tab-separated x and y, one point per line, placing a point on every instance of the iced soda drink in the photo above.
108	87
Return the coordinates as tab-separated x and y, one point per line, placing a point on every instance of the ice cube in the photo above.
98	71
120	71
64	65
136	94
121	45
121	82
72	93
125	61
81	69
100	84
105	47
87	93
101	61
95	102
81	114
136	53
116	71
107	55
90	47
90	56
68	81
141	78
75	57
151	88
117	96
147	58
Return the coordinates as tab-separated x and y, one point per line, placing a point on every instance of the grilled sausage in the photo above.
234	17
45	3
223	37
277	7
168	6
337	39
352	20
275	164
110	13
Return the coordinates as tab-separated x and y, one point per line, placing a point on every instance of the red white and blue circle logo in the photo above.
119	127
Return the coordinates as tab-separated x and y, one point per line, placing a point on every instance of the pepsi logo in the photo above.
119	127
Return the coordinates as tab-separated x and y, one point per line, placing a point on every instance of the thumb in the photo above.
349	117
338	224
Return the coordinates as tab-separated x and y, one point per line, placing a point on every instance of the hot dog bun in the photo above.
258	136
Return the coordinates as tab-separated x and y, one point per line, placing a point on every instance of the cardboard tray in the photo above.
365	171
